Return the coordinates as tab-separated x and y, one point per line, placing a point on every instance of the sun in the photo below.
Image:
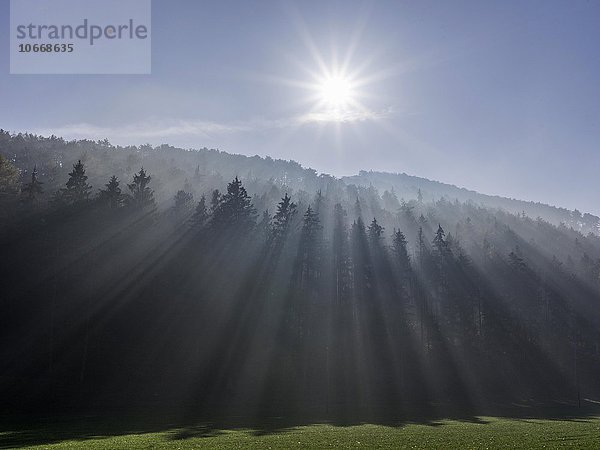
336	91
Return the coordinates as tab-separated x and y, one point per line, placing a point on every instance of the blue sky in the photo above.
502	97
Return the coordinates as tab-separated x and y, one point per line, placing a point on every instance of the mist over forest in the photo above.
205	281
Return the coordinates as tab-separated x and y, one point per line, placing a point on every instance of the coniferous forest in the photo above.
156	277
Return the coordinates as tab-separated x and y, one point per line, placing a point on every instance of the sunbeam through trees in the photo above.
279	291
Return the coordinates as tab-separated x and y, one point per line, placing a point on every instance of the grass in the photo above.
473	433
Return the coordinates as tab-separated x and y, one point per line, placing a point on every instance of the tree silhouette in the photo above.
286	210
309	246
77	189
341	256
235	209
141	194
399	244
375	232
112	195
183	201
33	189
215	200
200	217
421	246
222	320
439	241
516	261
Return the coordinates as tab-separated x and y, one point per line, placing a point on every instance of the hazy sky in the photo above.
501	97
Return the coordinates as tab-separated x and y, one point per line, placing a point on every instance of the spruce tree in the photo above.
215	201
286	210
235	209
362	269
33	189
421	245
112	196
439	241
375	232
141	195
77	190
200	217
516	261
340	256
311	224
406	211
309	244
400	251
441	251
183	201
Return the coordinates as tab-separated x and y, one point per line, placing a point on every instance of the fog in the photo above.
208	283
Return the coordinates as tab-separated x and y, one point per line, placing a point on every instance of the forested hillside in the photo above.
408	186
203	280
204	169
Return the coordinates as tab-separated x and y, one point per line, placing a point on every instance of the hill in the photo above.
172	167
160	277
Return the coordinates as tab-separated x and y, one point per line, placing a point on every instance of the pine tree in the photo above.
375	232
307	270
311	224
341	258
406	211
183	201
235	210
141	195
286	210
112	195
421	246
441	250
77	190
516	261
420	293
309	243
215	201
200	217
419	196
361	263
400	251
439	241
33	189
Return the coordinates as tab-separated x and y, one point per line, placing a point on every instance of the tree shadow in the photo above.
28	430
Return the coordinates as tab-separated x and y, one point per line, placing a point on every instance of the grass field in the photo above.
473	433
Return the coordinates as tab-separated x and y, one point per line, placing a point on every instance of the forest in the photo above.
214	283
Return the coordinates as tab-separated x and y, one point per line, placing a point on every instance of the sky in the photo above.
500	97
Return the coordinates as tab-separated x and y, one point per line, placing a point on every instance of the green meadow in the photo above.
472	433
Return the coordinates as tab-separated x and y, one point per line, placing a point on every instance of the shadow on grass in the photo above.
20	431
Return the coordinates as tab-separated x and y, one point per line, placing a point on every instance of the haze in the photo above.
501	98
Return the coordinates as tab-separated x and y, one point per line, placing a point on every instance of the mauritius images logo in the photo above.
80	36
